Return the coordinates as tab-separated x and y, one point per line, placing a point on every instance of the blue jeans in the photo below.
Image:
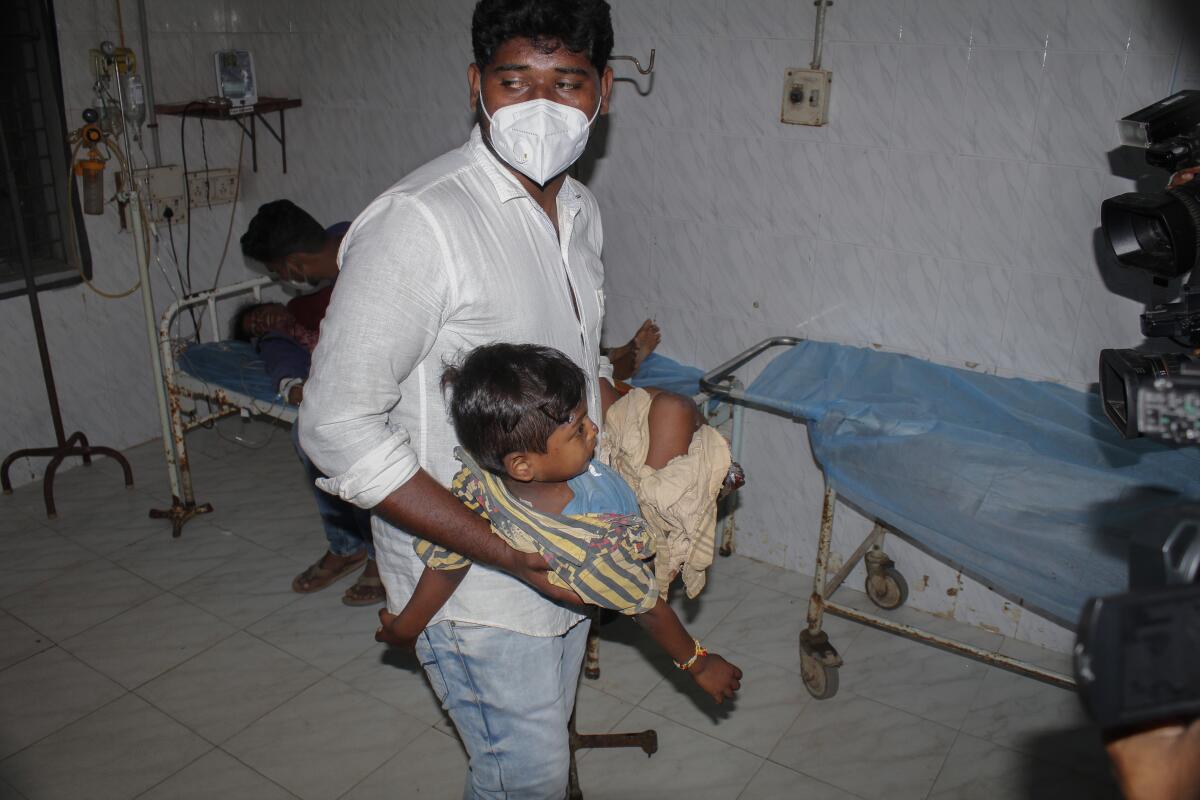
347	527
510	696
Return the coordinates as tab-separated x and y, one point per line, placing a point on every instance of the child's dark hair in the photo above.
241	331
581	26
508	398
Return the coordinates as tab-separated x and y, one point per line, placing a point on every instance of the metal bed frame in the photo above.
885	586
223	401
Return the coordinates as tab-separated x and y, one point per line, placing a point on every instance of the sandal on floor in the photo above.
318	577
366	591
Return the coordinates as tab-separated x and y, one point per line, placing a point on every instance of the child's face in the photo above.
267	317
569	449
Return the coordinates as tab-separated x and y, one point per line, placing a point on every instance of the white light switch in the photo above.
806	96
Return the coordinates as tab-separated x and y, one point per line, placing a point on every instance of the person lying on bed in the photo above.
283	342
521	412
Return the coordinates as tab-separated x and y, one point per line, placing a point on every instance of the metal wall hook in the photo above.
646	71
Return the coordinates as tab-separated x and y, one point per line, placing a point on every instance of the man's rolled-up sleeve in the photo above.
389	303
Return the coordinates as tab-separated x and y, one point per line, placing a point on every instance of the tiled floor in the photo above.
137	665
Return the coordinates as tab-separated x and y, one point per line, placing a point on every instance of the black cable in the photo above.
187	197
204	152
175	258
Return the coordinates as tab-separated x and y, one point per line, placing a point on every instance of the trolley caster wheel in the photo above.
889	590
820	680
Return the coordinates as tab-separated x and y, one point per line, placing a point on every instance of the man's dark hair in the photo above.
241	331
581	26
508	398
279	229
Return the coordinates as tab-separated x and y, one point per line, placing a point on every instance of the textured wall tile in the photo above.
862	99
1000	102
989	201
906	301
929	99
845	279
1077	109
1062	215
1100	24
868	20
919	212
943	21
683	183
746	100
856	181
972	305
1039	329
1023	23
777	19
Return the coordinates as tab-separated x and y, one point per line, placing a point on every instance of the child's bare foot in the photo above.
644	341
627	358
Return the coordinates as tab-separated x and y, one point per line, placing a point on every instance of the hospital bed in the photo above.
227	377
1023	485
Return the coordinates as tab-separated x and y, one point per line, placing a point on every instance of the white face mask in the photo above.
539	138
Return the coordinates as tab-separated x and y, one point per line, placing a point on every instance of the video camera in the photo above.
1137	654
1158	394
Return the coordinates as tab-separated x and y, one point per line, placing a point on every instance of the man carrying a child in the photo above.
492	242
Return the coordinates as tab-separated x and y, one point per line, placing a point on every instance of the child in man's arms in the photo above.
520	412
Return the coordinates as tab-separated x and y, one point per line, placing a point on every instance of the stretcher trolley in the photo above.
1021	484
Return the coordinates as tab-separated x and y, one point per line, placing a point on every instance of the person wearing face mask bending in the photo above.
490	242
295	247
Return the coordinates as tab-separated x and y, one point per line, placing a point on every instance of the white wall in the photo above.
948	210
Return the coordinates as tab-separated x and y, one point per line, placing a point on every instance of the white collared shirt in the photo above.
454	256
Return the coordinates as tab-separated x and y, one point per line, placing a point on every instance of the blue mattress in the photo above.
1023	484
232	365
236	366
667	373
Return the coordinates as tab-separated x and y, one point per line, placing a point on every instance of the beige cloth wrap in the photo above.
679	501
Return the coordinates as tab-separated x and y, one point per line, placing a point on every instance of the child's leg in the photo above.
673	421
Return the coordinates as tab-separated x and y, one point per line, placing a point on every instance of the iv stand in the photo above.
76	444
183	502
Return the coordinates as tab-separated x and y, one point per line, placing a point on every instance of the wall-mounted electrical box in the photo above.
163	187
211	187
806	96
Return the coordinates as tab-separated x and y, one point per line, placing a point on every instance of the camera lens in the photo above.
1158	233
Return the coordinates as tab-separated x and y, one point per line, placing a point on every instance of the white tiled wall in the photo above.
948	210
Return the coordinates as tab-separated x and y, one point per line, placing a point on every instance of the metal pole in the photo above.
148	82
819	37
35	307
820	572
143	259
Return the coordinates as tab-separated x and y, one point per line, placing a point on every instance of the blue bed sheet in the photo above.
1023	484
231	365
667	373
237	366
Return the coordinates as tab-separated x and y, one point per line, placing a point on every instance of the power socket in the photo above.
162	189
212	187
176	206
806	97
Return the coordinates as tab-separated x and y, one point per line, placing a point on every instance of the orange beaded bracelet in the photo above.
691	662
